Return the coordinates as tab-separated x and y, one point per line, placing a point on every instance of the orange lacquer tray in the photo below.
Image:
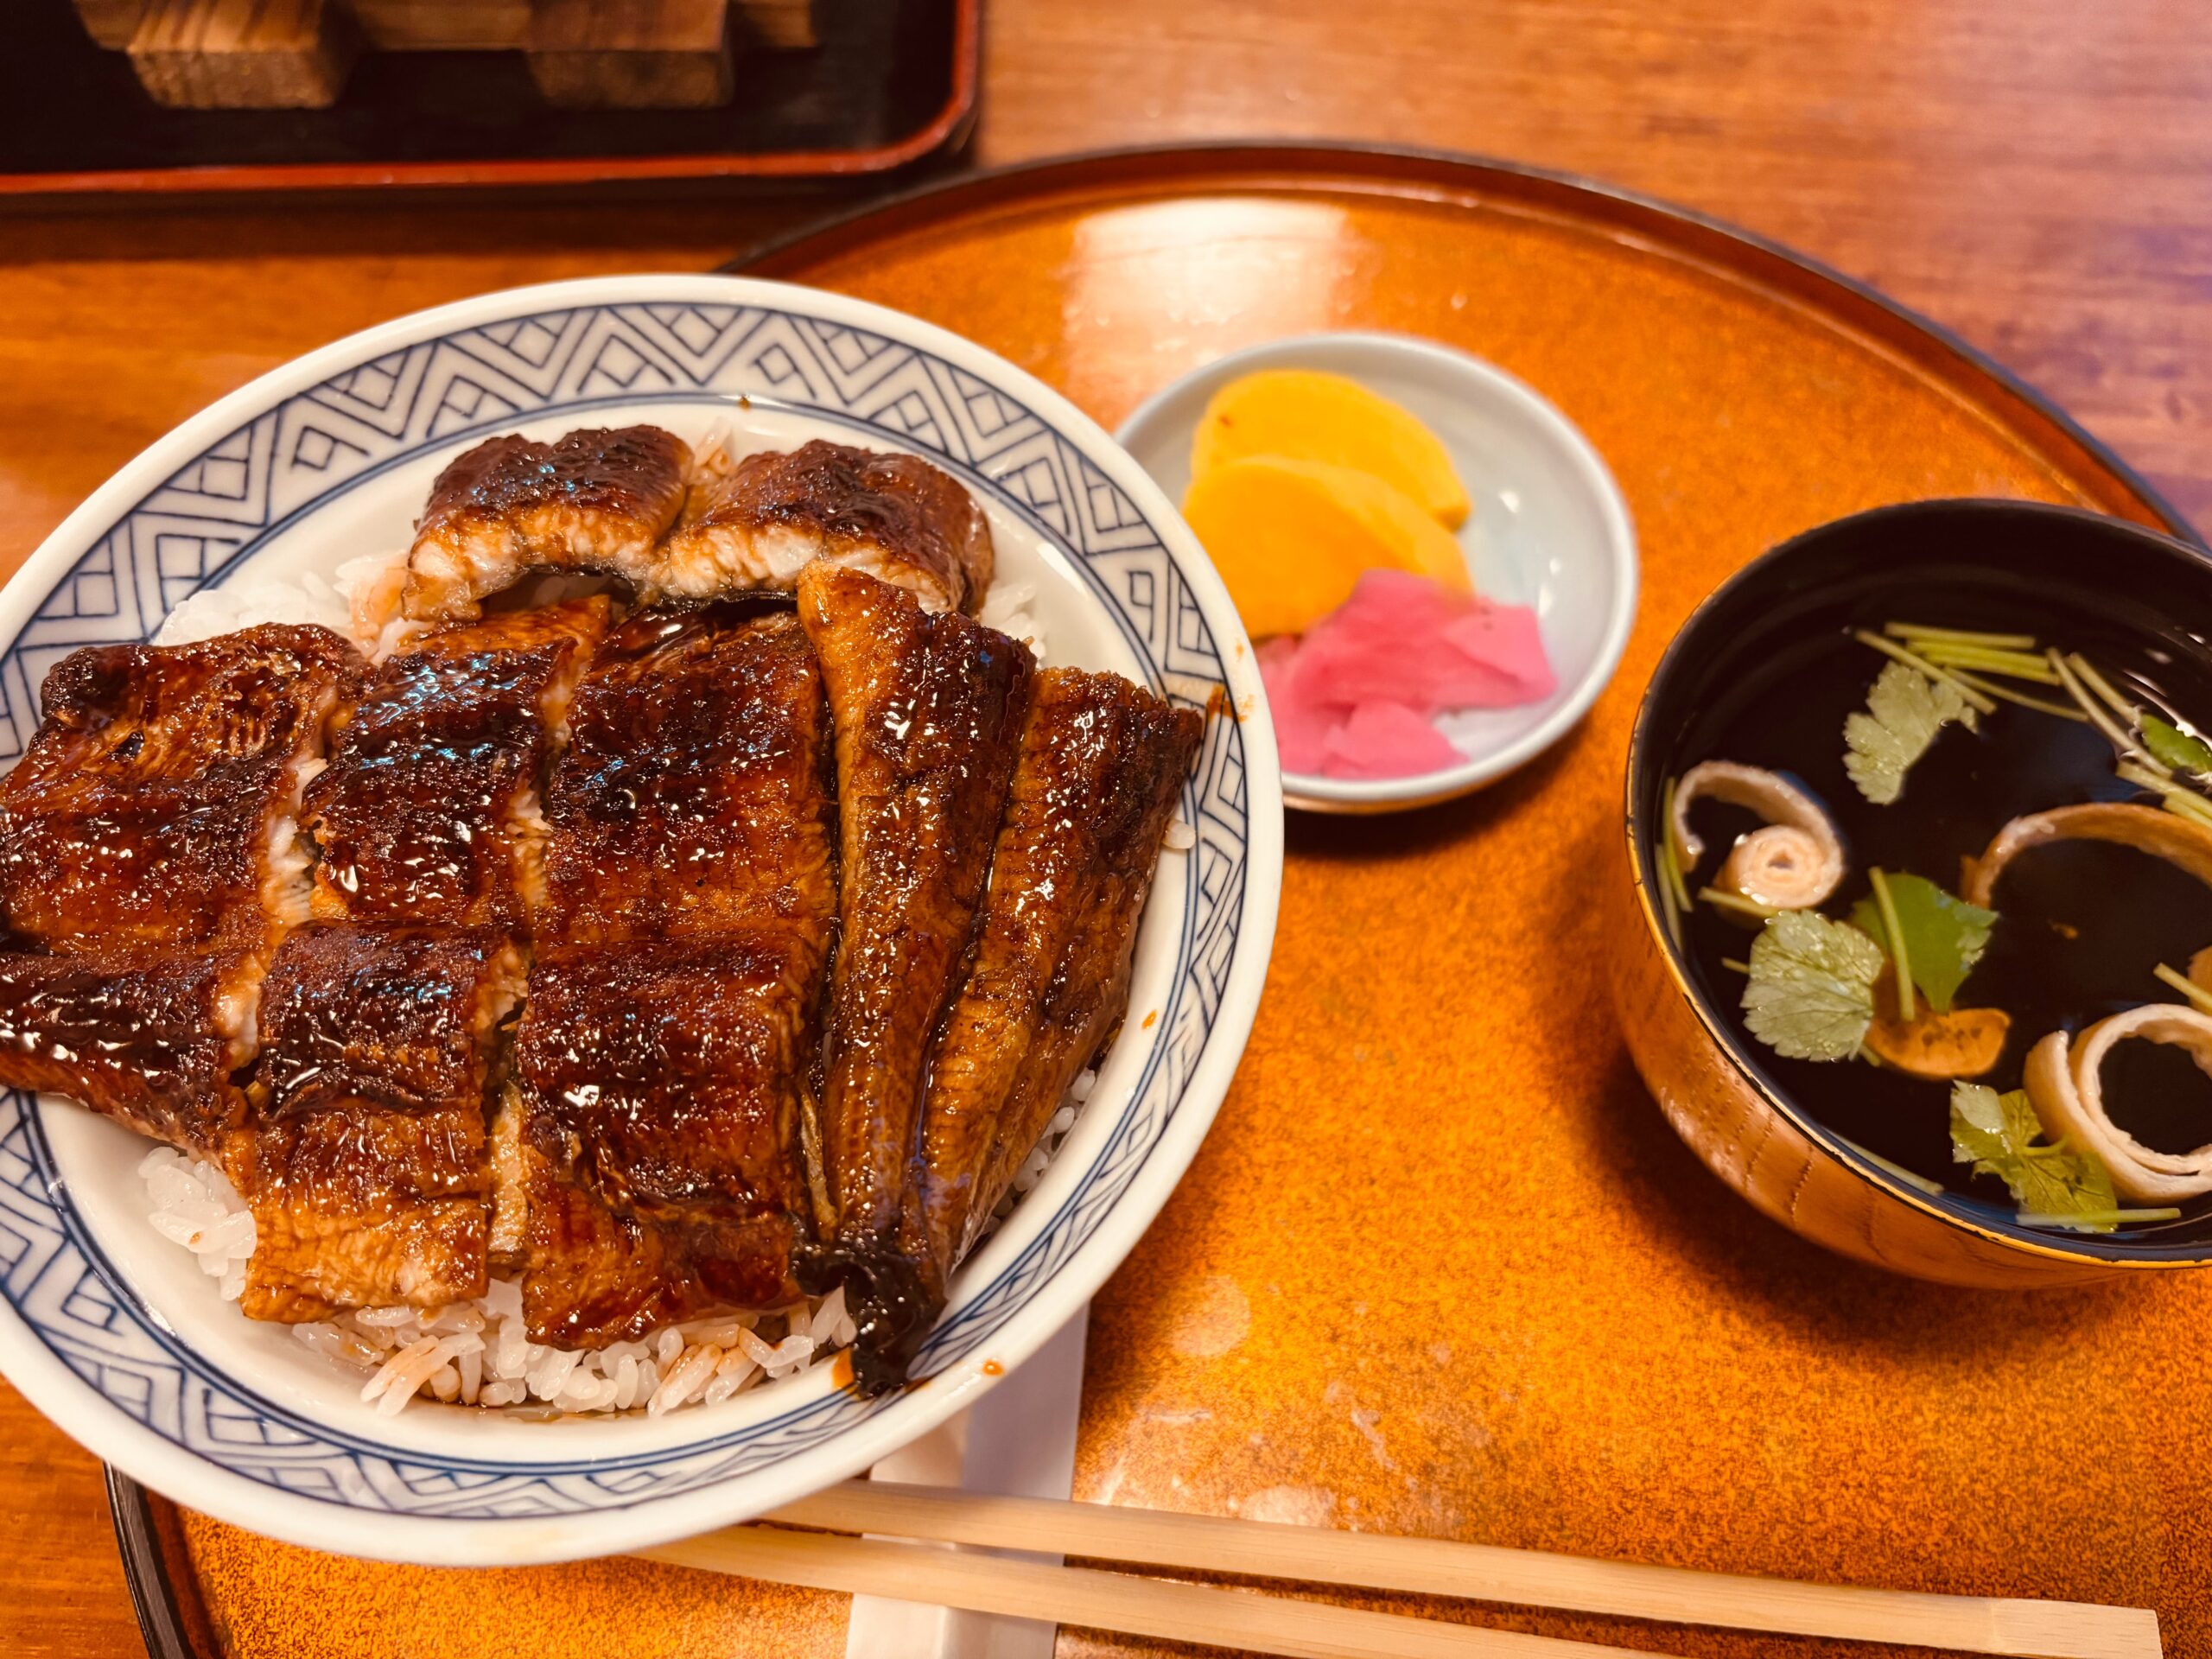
1441	1267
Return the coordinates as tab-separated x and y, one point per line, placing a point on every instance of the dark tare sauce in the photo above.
2081	925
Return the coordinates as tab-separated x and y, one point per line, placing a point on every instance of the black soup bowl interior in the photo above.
1766	671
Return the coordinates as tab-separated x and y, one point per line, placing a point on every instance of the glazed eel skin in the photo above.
1100	764
598	500
429	808
664	1062
385	1024
365	1161
893	516
148	866
999	829
926	709
635	503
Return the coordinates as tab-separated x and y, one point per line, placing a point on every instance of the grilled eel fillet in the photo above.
365	1164
429	808
597	501
693	792
155	806
149	1037
368	1165
894	517
664	1061
147	843
926	709
662	1085
1100	764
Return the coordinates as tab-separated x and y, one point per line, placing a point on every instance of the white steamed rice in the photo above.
1009	607
476	1353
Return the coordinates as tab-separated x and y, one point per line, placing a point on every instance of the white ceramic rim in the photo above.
1357	796
104	1429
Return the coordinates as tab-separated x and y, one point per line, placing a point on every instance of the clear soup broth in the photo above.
2082	926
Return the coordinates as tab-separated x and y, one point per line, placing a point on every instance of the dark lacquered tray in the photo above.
891	84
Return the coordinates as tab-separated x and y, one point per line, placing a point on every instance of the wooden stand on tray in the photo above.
582	53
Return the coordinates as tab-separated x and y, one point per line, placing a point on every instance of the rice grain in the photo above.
688	1375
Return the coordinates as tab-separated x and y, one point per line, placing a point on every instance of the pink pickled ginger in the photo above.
1386	739
1354	696
1302	726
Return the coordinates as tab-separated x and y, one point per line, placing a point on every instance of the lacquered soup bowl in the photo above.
1708	1079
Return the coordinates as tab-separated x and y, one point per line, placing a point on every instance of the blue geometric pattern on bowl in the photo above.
189	532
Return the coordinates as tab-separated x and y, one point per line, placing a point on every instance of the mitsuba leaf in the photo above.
1811	992
2171	747
1944	936
1997	1133
1904	710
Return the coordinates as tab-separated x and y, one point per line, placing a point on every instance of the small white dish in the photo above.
1549	530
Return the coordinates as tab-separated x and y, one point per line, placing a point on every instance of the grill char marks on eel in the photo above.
926	709
155	806
369	1170
662	1082
692	795
149	862
666	1060
149	1037
366	1168
597	501
1099	766
428	812
895	517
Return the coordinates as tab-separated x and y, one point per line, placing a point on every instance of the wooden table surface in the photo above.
2036	174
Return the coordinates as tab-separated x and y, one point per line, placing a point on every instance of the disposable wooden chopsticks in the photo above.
1104	1601
2049	1629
